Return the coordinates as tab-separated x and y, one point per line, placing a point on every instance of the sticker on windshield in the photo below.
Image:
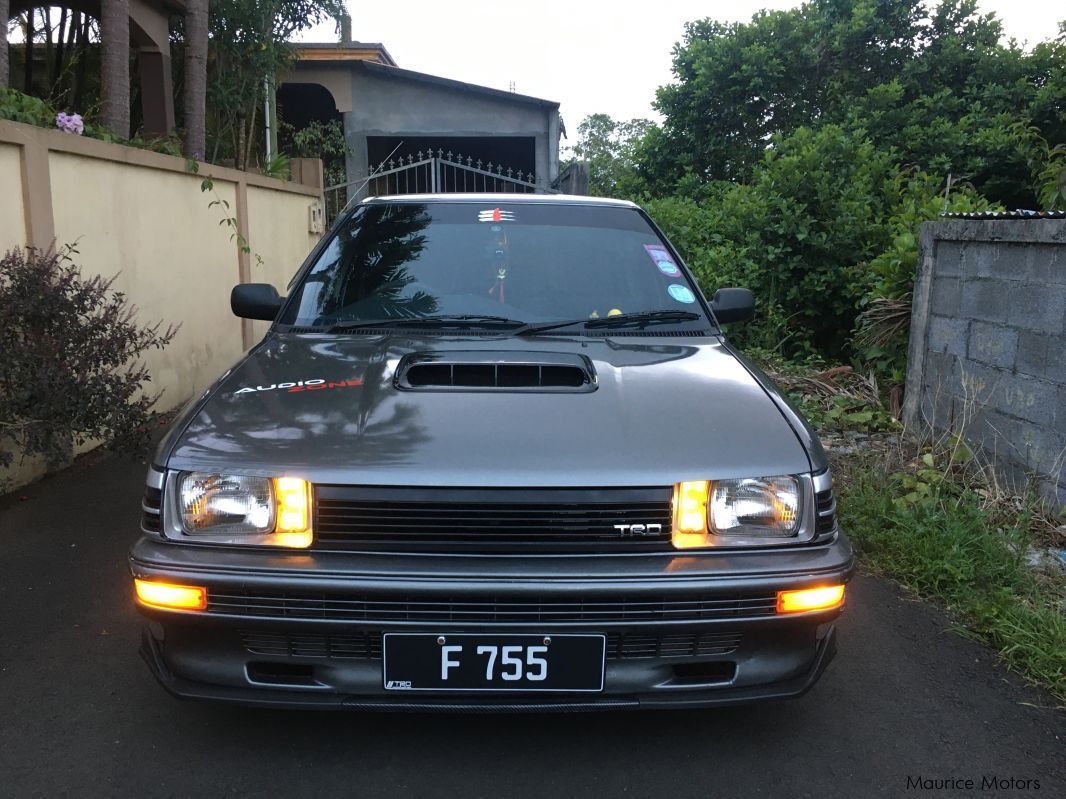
663	259
681	293
495	215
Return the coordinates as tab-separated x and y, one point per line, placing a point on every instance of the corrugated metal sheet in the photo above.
1017	214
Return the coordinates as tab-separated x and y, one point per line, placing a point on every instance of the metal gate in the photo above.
432	172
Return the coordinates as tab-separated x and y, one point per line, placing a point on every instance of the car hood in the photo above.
664	409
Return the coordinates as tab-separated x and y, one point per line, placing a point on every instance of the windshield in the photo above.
525	262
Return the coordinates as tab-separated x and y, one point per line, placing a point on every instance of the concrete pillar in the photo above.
553	144
357	160
157	95
542	162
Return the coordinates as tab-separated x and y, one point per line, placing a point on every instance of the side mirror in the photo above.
733	305
255	301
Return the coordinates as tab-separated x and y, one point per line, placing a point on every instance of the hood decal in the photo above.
315	384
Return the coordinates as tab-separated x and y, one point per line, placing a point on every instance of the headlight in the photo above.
736	512
765	506
238	509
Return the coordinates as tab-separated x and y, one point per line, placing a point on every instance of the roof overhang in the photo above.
343	52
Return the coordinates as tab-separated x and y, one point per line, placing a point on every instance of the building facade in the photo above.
409	131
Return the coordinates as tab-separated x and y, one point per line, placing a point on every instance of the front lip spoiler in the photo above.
802	567
271	698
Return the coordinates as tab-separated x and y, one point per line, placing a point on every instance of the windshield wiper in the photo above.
643	318
640	318
444	320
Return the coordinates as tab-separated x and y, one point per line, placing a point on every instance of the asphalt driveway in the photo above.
80	714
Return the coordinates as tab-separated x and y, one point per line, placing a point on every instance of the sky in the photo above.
589	55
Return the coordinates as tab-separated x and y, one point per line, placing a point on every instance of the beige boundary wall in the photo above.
142	215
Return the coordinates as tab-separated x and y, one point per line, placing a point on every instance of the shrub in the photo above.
797	235
19	107
883	324
69	350
826	235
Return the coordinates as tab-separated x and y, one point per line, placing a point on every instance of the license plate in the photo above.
420	662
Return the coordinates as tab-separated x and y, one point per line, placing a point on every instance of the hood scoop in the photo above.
510	371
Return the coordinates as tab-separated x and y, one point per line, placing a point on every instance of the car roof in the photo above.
543	199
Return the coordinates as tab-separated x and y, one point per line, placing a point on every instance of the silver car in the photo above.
494	453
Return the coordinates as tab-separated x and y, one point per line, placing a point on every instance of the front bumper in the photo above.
306	630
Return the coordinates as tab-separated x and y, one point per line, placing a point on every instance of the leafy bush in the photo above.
832	398
826	235
815	211
19	107
883	323
317	139
69	349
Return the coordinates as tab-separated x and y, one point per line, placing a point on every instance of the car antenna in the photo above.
373	174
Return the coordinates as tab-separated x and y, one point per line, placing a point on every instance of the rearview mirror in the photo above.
733	305
255	301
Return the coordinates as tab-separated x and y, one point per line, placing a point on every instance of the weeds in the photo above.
832	398
926	510
934	524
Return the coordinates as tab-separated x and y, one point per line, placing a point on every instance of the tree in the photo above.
250	43
115	66
609	146
5	10
816	233
933	84
195	91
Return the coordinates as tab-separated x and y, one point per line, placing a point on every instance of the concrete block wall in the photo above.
988	343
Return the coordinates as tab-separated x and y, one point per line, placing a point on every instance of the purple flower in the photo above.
70	123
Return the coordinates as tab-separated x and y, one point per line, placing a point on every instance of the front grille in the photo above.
825	508
426	520
637	646
358	646
368	645
150	509
618	609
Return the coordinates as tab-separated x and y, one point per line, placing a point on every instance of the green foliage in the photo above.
207	185
250	42
935	535
816	209
826	234
610	147
70	350
932	84
1052	181
832	399
847	413
19	107
278	167
323	140
883	323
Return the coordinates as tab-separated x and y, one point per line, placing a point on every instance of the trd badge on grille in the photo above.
638	529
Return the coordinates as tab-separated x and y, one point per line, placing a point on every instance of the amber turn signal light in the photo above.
690	512
824	598
170	596
293	527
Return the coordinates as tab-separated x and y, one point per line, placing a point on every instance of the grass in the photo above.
950	543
